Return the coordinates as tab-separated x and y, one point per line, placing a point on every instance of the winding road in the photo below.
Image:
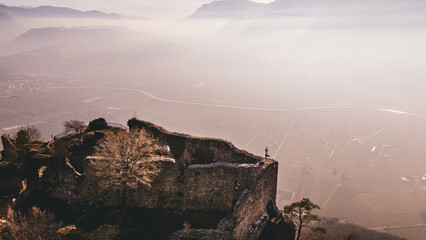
300	108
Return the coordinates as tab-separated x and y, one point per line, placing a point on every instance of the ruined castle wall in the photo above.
206	187
163	190
189	150
206	180
217	186
220	177
102	188
250	210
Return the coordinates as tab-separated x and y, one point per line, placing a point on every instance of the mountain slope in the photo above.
54	37
230	9
9	28
246	8
58	12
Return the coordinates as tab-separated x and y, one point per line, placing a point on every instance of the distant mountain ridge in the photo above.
44	35
59	12
229	8
247	8
37	38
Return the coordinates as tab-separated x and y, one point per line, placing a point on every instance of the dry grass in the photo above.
34	225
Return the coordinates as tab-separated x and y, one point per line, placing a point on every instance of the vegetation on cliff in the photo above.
300	213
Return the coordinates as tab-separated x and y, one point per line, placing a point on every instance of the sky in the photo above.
173	9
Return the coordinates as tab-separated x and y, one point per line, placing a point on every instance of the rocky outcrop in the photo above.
10	152
97	124
23	137
204	188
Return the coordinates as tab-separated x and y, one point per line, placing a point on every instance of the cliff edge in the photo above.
202	188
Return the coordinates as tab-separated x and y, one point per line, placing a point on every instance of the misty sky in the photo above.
144	8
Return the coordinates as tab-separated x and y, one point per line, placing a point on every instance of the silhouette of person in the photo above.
266	152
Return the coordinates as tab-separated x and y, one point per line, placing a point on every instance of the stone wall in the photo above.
219	177
206	183
217	186
250	210
189	150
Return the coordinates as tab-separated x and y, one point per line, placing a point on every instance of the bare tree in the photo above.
125	161
300	213
74	126
33	132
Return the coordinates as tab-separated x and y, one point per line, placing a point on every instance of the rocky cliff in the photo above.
203	188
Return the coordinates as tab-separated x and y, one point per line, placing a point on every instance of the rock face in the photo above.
9	149
214	181
205	187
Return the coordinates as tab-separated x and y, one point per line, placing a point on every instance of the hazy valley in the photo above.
338	99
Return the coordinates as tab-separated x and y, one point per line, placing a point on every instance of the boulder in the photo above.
97	124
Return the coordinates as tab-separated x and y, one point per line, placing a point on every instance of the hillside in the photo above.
49	35
9	28
58	12
279	8
340	230
230	9
51	38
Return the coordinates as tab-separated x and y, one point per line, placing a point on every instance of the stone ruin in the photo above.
207	188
